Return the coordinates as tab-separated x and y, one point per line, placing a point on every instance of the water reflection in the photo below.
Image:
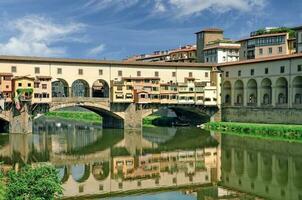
92	161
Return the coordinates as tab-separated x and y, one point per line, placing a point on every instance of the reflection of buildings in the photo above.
270	169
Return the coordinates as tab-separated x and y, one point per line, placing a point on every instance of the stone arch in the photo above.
100	89
266	91
4	123
238	92
80	172
281	91
252	92
100	171
80	88
227	93
60	88
63	173
297	90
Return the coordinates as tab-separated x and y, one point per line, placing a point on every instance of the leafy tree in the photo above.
41	183
2	187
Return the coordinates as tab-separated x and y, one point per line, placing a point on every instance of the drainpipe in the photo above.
289	104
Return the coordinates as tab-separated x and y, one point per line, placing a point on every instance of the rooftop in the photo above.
215	30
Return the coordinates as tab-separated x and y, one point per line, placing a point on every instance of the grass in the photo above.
274	131
78	116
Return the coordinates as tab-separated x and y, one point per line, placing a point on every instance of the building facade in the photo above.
266	44
298	39
6	86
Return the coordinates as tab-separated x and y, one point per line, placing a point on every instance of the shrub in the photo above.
41	183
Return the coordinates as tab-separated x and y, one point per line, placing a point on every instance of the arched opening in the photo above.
62	173
266	91
80	172
4	126
252	92
60	88
227	89
100	171
100	89
297	90
239	93
281	91
80	88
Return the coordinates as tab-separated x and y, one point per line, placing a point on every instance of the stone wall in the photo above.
262	115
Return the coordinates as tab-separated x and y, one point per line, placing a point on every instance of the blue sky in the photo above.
115	29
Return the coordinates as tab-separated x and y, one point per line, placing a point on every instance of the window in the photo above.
119	88
299	68
14	69
266	70
19	84
37	70
100	72
239	73
28	84
270	50
260	51
282	69
173	74
190	74
120	73
80	71
280	49
156	74
138	73
44	86
252	72
226	74
36	85
59	71
206	74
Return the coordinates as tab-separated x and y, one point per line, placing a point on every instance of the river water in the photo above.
158	163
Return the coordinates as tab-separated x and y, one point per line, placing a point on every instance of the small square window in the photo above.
100	72
59	70
37	70
280	49
44	86
14	69
261	51
156	74
19	84
282	69
270	50
206	74
190	74
239	73
252	72
226	74
266	71
138	73
173	74
80	71
299	68
120	73
28	84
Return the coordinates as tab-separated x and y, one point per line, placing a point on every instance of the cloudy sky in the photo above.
115	29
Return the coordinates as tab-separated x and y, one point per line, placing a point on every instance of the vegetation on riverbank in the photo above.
30	183
157	120
78	116
281	131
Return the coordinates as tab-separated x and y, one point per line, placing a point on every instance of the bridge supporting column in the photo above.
20	121
133	117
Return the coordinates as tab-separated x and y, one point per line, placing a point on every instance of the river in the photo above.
158	163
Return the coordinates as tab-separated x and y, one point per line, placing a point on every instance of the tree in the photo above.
40	183
2	187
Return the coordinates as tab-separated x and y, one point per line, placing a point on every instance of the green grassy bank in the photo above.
278	131
150	121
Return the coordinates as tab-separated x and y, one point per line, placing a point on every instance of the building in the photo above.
266	90
42	89
203	38
266	43
298	38
23	87
183	54
221	51
6	86
168	93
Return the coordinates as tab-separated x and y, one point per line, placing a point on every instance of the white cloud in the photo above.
37	36
97	5
181	8
96	50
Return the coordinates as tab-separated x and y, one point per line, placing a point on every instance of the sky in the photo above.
116	29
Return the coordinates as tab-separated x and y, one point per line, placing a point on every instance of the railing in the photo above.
79	99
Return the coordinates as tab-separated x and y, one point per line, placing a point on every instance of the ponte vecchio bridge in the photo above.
121	92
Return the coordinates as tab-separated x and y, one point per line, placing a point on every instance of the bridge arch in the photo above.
100	89
80	88
80	172
239	92
252	92
297	90
227	92
100	171
60	88
266	91
63	173
281	91
4	123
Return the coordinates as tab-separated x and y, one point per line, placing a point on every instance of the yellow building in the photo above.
168	93
42	89
23	87
6	86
